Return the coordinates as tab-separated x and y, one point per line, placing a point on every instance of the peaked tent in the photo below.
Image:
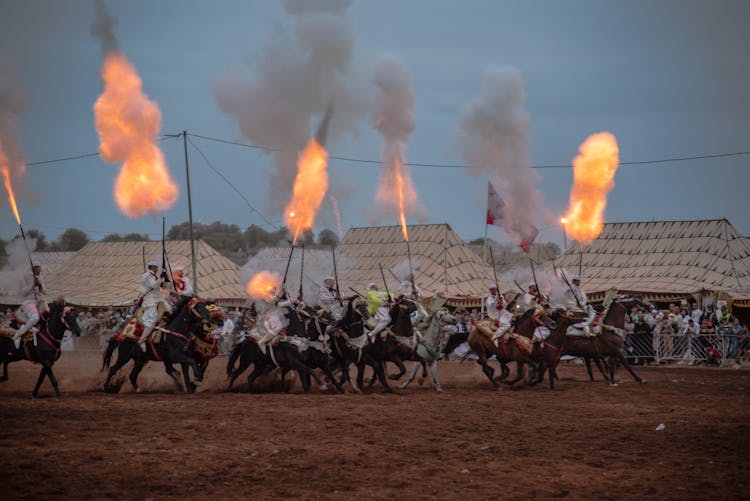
108	273
447	267
666	260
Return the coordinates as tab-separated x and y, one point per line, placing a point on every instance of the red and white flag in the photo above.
495	207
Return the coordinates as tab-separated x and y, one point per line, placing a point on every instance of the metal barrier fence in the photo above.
703	349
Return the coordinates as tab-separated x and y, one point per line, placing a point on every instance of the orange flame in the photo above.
400	187
128	124
310	187
263	285
8	186
593	177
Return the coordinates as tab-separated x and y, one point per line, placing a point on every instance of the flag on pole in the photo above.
495	207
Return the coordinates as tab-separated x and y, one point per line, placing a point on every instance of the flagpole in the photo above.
484	251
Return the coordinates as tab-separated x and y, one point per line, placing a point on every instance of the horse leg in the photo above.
433	370
601	364
258	369
123	357
327	371
174	374
401	368
621	358
137	368
380	367
244	364
4	377
53	380
587	362
488	371
186	365
504	370
42	375
519	374
411	378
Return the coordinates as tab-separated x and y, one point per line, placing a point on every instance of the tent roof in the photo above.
665	257
446	265
108	273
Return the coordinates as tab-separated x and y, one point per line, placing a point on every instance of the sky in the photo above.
667	78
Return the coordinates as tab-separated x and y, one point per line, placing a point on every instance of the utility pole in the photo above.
190	216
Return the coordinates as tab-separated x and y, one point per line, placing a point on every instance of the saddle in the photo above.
205	349
134	328
485	327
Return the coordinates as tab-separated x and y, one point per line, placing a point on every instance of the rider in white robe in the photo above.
576	301
32	290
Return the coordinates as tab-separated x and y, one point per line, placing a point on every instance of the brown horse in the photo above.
507	351
609	343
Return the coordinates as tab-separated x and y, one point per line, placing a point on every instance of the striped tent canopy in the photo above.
665	259
109	273
447	266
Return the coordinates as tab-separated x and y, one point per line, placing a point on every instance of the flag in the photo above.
495	207
528	233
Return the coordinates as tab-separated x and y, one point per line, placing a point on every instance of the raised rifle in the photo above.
286	271
301	272
336	276
387	292
164	262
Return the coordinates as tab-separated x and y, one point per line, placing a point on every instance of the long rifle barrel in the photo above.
388	293
336	275
286	271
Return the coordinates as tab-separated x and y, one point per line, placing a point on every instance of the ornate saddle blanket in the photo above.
485	327
132	330
409	342
205	349
355	343
300	343
524	343
10	333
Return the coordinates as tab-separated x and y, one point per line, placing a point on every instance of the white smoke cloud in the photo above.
494	136
301	71
394	118
18	266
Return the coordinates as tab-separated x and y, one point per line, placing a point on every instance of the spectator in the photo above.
696	313
735	332
690	331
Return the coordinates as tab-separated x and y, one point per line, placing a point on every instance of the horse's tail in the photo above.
233	358
111	347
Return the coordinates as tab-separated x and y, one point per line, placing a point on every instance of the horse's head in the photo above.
320	319
406	305
207	316
443	316
69	318
358	306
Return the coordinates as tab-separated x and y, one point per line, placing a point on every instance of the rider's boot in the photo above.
144	338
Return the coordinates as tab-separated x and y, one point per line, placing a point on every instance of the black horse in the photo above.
285	355
191	318
350	346
52	326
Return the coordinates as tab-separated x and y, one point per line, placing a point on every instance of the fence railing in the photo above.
703	349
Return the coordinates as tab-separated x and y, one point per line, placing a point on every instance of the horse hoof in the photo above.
402	386
614	384
393	377
34	394
439	389
197	382
420	381
643	381
323	387
137	390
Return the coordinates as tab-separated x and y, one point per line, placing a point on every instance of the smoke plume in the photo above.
494	136
394	119
103	28
299	73
12	103
18	266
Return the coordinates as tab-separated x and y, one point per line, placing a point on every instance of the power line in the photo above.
411	164
229	183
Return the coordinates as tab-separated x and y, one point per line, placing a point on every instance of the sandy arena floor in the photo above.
583	440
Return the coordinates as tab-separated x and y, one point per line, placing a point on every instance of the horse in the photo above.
430	347
316	354
507	351
191	322
608	343
283	353
52	326
350	345
548	351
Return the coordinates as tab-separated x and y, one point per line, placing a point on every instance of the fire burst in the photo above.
593	177
263	285
128	123
4	168
310	187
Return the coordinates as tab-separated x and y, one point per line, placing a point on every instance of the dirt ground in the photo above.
583	440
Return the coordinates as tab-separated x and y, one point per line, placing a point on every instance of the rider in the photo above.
532	298
181	281
378	304
271	320
504	321
577	301
151	285
32	289
411	291
329	298
494	303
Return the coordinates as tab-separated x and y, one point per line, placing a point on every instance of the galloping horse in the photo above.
283	354
400	344
192	322
608	343
482	345
430	347
52	327
350	345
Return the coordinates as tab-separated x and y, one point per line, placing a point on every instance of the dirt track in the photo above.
585	440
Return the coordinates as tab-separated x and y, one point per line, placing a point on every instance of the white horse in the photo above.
430	347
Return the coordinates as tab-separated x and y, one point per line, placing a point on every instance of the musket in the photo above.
143	256
357	292
567	282
31	264
301	271
388	294
494	271
411	271
164	262
286	271
533	274
336	275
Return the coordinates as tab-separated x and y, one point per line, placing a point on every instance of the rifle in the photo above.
336	276
286	271
494	271
539	294
301	272
411	272
164	263
387	292
567	282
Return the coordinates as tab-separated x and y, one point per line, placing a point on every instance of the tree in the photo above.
136	237
328	238
112	237
71	239
41	241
